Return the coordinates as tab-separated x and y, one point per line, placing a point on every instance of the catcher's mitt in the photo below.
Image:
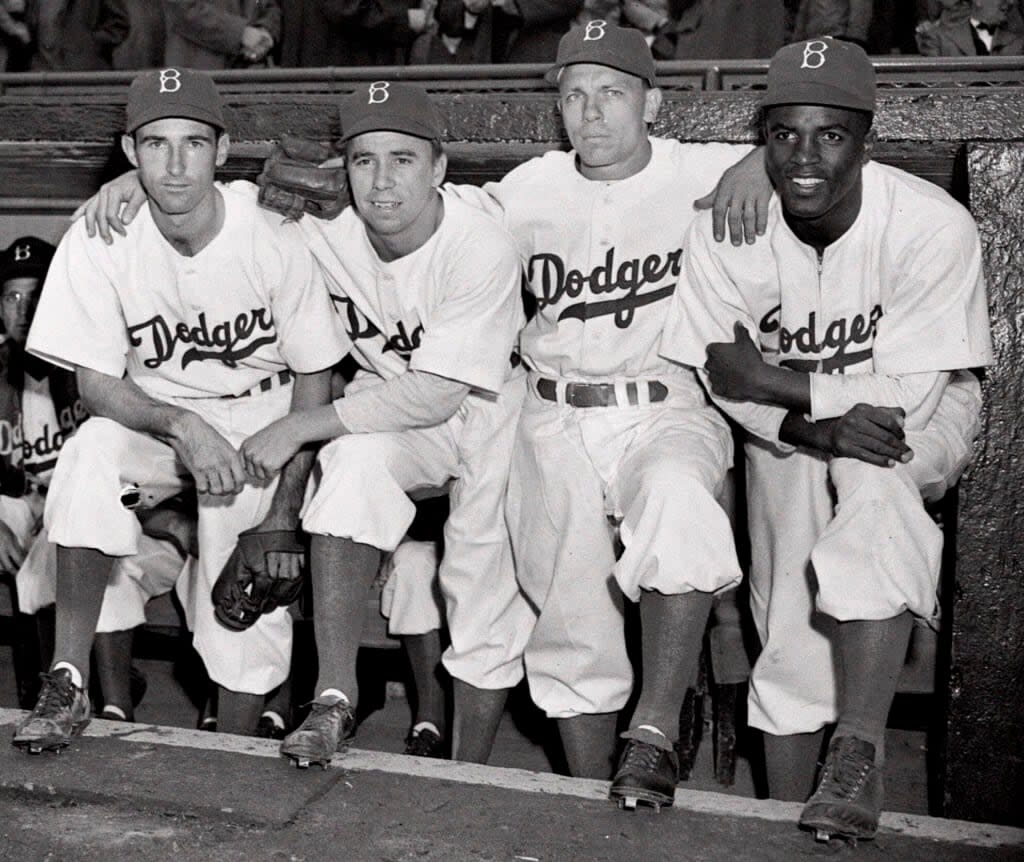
293	183
245	588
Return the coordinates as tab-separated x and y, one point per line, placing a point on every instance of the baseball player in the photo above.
840	343
205	324
610	430
429	289
41	410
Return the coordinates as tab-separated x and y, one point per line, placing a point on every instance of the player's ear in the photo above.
223	148
128	147
652	104
440	168
869	144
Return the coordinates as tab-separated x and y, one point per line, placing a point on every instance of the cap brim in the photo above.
551	75
198	115
814	93
398	124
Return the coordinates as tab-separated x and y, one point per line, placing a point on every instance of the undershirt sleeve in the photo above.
415	399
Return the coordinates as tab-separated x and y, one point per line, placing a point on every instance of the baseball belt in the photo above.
281	378
603	394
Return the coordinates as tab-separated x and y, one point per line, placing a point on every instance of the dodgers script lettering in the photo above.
552	282
227	342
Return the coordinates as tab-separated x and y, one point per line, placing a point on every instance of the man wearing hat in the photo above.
204	324
616	444
40	411
429	289
840	342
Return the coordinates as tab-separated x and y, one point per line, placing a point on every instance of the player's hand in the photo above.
256	43
740	199
733	366
267	451
871	434
12	553
216	466
112	207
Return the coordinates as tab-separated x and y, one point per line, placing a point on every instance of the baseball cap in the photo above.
161	93
822	71
26	257
390	106
605	44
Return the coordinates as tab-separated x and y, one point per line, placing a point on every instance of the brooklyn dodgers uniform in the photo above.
217	333
41	432
602	260
889	315
452	308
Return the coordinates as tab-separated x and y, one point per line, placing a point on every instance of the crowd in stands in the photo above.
74	35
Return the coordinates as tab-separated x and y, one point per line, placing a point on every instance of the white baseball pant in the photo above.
842	540
83	509
654	471
362	494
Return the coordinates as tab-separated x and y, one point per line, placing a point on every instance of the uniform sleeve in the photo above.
707	162
311	336
704	308
470	334
936	316
79	320
832	395
410	400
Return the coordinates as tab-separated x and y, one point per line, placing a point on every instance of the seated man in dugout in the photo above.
39	411
205	325
842	344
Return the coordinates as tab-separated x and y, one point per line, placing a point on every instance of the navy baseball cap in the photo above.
390	106
162	93
605	44
27	257
822	71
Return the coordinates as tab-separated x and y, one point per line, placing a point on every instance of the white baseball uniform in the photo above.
888	315
216	333
603	259
134	580
451	308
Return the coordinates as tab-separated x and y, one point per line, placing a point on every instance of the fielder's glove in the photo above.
245	588
293	183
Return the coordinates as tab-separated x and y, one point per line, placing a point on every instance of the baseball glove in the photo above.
293	183
245	588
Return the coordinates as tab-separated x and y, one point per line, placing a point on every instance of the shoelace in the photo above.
642	755
56	694
848	773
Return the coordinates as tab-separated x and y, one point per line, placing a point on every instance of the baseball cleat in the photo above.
424	743
61	712
646	774
848	801
330	725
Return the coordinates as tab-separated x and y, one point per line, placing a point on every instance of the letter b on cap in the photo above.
595	30
814	55
378	92
22	252
170	81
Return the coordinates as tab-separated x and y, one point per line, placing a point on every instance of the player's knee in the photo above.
355	455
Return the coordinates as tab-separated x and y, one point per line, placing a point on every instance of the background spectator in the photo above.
143	48
847	19
527	31
75	35
711	29
351	32
976	28
463	33
221	34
